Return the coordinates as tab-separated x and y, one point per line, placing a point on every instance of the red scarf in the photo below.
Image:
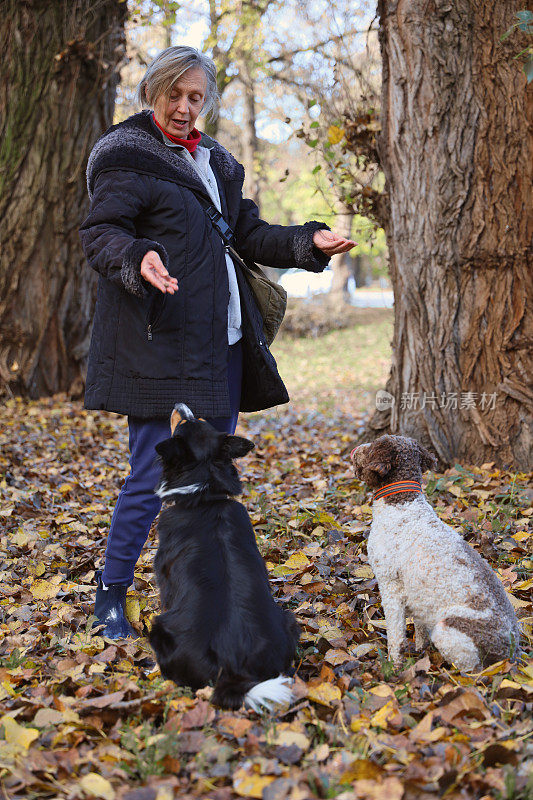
191	143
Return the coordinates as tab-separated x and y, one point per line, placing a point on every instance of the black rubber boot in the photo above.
109	608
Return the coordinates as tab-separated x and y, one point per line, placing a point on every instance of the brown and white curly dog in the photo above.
424	567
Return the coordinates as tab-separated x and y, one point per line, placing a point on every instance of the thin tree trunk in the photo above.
250	147
342	264
57	94
457	150
169	17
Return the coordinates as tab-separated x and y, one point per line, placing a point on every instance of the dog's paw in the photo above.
206	693
396	657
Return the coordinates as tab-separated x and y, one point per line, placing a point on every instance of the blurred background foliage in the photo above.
299	108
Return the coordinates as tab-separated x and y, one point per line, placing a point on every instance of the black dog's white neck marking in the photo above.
191	488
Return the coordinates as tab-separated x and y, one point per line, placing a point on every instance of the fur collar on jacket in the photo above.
134	145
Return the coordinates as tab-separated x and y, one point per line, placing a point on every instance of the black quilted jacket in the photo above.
150	350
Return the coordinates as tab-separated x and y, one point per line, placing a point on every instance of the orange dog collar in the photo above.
396	488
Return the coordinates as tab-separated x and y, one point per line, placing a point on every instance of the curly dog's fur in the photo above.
426	570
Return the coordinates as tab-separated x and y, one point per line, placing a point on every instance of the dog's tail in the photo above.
231	691
269	694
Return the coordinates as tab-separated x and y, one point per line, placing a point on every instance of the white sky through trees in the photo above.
288	26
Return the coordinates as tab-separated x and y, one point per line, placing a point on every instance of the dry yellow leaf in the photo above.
21	538
364	649
236	726
357	723
47	716
297	561
507	684
510	744
360	769
336	657
287	738
516	602
494	669
377	623
382	690
133	610
343	610
250	785
10	754
165	793
96	786
335	134
364	572
379	720
320	753
330	632
44	590
388	789
423	731
18	734
325	693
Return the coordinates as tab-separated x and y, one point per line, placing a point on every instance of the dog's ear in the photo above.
236	446
379	457
181	413
427	459
170	449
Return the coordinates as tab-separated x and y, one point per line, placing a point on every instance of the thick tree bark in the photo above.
457	150
57	93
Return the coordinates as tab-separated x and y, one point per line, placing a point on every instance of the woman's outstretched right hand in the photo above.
154	271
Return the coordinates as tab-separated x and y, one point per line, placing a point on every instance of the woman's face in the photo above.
177	112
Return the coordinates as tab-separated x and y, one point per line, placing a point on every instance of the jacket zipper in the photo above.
153	319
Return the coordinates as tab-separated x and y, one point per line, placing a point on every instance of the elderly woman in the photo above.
175	318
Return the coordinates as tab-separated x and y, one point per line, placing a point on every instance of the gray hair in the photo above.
167	67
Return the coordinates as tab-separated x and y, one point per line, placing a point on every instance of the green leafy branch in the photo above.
525	24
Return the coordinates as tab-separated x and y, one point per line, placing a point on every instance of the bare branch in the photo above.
287	55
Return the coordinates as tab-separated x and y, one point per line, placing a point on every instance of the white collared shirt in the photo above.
200	161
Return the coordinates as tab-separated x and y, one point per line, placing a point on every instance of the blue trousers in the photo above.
137	505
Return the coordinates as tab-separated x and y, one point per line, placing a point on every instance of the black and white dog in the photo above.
219	621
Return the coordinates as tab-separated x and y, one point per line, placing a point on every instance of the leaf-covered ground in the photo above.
82	717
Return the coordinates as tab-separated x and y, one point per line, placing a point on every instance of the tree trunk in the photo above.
343	263
362	271
457	150
250	147
57	93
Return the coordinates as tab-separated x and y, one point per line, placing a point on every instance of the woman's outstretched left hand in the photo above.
331	243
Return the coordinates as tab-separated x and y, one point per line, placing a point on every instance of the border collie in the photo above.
219	621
